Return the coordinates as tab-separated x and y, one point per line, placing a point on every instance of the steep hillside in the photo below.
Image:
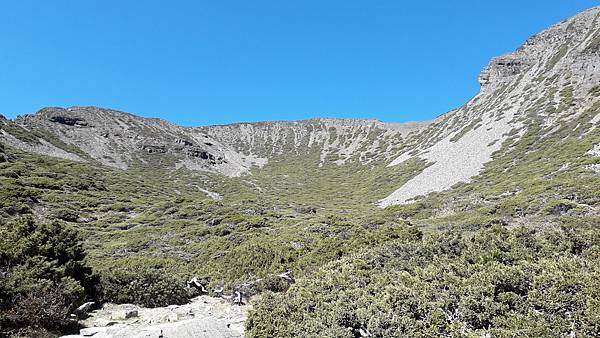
122	140
336	140
550	80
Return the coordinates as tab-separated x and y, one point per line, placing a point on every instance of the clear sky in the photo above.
213	62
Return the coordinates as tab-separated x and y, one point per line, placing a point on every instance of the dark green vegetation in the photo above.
44	277
510	283
363	268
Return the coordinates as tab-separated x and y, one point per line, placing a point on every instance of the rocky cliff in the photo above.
553	77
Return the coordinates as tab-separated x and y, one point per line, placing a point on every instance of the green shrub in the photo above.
273	283
65	214
144	281
44	276
559	207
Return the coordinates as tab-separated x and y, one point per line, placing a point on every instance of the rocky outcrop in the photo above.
68	120
150	148
60	116
503	69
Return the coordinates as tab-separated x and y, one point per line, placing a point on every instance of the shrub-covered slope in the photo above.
493	283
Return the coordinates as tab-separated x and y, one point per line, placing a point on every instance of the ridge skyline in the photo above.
421	104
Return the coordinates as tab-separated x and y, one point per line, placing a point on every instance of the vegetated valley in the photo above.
481	223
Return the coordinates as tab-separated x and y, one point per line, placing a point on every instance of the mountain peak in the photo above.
546	48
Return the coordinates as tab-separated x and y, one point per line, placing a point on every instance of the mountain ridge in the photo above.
557	66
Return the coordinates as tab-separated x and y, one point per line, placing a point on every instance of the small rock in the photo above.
104	322
172	317
90	331
124	314
82	310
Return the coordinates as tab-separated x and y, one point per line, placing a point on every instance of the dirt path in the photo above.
203	317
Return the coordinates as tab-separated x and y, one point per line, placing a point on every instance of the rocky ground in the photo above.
203	317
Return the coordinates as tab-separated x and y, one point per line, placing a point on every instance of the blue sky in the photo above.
214	62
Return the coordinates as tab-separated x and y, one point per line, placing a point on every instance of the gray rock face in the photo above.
503	68
68	120
550	77
119	139
125	313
